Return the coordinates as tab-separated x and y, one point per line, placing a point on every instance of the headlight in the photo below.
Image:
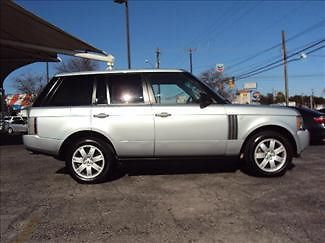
299	123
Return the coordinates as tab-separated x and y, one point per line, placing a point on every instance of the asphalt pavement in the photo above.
151	201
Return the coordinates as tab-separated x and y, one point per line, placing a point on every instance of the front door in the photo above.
182	127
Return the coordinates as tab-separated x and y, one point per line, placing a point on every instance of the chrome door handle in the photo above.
101	115
163	114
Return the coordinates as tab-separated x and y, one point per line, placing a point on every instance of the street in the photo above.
150	201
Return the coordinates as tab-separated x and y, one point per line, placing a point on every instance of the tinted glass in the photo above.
73	91
43	96
175	89
18	122
125	89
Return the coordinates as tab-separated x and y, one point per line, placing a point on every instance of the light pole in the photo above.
127	29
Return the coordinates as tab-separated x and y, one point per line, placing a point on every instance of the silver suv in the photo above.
92	119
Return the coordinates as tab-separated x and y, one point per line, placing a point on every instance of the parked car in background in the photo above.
314	121
322	110
155	114
14	124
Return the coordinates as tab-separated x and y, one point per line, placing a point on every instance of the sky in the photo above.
232	33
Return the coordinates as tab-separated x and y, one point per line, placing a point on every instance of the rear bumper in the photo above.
302	140
42	145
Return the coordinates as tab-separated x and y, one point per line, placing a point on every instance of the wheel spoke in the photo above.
272	164
91	152
88	169
279	159
77	160
279	150
260	156
98	158
264	163
263	147
96	167
272	144
81	168
83	152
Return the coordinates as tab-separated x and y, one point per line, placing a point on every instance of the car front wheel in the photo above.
268	153
89	161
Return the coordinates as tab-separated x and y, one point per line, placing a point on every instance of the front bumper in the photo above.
303	140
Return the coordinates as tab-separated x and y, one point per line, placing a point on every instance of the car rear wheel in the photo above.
268	154
89	161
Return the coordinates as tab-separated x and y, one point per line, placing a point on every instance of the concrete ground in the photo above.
174	201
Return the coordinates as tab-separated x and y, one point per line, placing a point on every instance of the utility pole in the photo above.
312	99
190	51
127	29
285	68
158	58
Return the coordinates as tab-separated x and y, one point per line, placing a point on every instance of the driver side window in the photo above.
172	89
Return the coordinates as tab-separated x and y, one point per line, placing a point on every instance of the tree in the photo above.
279	98
29	83
76	64
267	100
214	79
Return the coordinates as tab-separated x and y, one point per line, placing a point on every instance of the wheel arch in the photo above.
283	131
80	135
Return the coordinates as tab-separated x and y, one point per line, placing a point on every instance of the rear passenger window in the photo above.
73	91
125	89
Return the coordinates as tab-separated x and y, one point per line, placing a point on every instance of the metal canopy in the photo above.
25	38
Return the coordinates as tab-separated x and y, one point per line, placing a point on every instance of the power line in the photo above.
280	60
311	28
253	66
264	29
225	27
277	64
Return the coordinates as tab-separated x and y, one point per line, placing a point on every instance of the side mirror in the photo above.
205	100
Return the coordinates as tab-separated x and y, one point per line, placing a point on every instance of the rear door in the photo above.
182	127
123	113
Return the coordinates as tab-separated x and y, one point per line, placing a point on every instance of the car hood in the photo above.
237	109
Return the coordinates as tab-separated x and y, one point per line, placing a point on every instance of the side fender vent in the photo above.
232	127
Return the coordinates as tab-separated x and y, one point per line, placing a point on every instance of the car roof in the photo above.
124	71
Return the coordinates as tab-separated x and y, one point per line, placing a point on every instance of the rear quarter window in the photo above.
71	91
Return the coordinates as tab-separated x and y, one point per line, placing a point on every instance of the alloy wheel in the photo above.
270	155
88	161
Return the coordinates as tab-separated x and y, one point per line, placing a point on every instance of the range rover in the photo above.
92	119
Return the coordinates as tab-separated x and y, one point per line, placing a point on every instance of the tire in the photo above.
89	161
10	131
268	153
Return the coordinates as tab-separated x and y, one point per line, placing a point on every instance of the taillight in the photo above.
32	125
299	123
319	120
